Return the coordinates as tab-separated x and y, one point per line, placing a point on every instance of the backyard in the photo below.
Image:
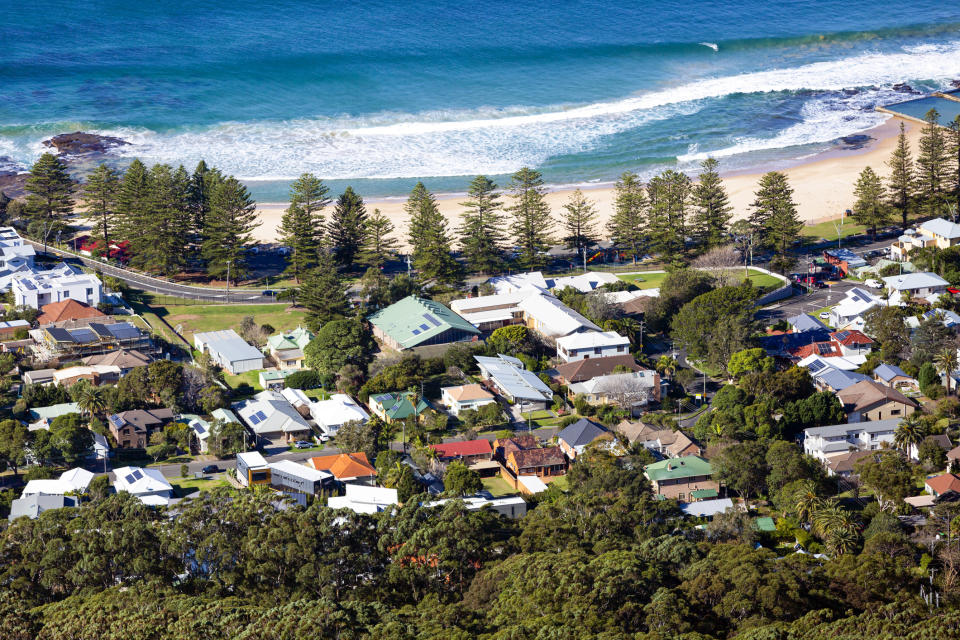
653	279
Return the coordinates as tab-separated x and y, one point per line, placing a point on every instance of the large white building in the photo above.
37	289
592	344
822	442
229	350
148	485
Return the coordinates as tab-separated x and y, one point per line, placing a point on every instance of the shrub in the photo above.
305	379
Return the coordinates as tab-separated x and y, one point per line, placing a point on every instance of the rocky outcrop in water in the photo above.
79	143
903	87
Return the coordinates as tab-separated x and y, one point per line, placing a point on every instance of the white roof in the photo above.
364	499
53	279
707	507
79	479
296	397
300	470
620	297
586	282
270	412
555	318
154	500
85	370
941	227
46	487
844	363
533	280
339	409
600	384
908	281
516	382
253	459
139	480
533	484
228	344
505	300
592	339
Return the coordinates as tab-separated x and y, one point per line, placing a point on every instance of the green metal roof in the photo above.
766	524
673	468
414	320
299	338
398	406
701	494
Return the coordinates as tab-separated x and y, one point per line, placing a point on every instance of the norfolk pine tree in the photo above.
133	202
580	223
532	224
229	225
933	166
953	145
669	197
160	244
301	228
100	198
870	208
481	233
378	243
900	183
628	224
323	293
775	215
202	182
711	206
49	196
346	227
429	238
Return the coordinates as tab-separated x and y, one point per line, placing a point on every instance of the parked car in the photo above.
210	468
875	284
302	444
824	315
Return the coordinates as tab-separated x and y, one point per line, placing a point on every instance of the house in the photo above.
9	328
592	344
74	480
586	282
942	484
843	464
582	370
298	399
335	412
41	288
869	400
821	442
666	442
288	475
42	417
574	438
416	322
832	374
347	468
125	359
551	318
38	376
941	440
67	344
893	376
707	508
96	374
391	407
545	462
467	396
148	485
805	322
938	233
229	350
364	499
532	281
274	379
949	319
852	342
634	304
514	382
201	430
850	311
923	285
635	389
270	415
678	477
252	469
14	252
31	506
468	451
844	260
286	349
132	429
504	446
69	312
488	313
512	507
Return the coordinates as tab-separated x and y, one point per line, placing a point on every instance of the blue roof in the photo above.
838	380
888	372
806	322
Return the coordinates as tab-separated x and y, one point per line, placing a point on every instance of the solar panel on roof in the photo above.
424	327
199	428
83	336
254	419
816	366
416	332
261	415
431	320
123	330
129	478
99	329
137	474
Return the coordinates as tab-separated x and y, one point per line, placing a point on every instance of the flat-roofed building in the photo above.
252	468
291	476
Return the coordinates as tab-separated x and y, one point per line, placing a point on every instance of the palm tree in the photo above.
393	476
909	433
91	401
946	363
834	525
806	501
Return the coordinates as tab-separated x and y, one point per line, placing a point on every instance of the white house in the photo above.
635	388
917	285
510	506
488	313
147	484
338	410
592	344
585	282
821	442
551	318
848	313
532	281
229	350
363	499
514	382
270	415
75	480
45	287
938	233
14	252
466	396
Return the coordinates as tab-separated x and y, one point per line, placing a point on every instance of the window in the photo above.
895	412
680	497
621	349
597	351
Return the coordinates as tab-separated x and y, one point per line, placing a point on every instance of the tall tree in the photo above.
49	198
711	206
532	224
482	229
580	223
901	182
775	216
161	243
953	147
627	226
870	208
378	241
100	198
427	232
669	196
346	227
323	294
309	192
202	182
933	166
229	225
299	233
133	201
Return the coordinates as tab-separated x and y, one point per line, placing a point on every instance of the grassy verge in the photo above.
651	280
187	486
828	231
199	318
498	486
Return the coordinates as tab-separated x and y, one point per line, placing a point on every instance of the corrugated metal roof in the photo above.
414	320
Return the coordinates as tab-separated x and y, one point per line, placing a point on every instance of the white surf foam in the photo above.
710	45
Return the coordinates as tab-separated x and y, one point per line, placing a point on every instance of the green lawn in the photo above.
651	280
252	378
317	394
536	415
498	486
765	281
186	486
193	318
560	483
827	230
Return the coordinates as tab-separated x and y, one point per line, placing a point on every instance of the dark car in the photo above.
210	468
302	444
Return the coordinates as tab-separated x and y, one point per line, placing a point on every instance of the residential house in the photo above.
31	506
633	304
148	485
585	282
391	407
551	318
592	344
869	400
832	374
922	285
125	359
635	390
14	252
286	349
69	313
335	412
850	311
9	328
96	374
488	313
504	446
941	440
416	322
252	469
38	376
678	478
364	499
707	508
467	396
64	345
514	382
201	430
74	480
545	462
844	464
132	429
347	468
666	442
938	233
229	350
468	451
583	370
943	484
42	417
949	319
893	376
844	260
574	438
274	379
852	342
512	507
41	288
513	283
270	415
822	442
805	322
288	475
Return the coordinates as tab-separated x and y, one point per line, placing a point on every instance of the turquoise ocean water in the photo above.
383	93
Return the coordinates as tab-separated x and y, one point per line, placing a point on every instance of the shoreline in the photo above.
823	186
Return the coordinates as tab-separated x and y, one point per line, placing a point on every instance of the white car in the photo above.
876	284
824	315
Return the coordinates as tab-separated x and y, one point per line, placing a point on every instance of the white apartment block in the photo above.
58	284
822	442
14	252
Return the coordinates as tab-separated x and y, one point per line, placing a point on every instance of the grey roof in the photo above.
838	380
806	322
33	505
229	345
582	432
906	281
706	508
888	372
941	227
516	382
855	427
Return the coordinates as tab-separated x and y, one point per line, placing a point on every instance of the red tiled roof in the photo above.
460	449
345	465
67	310
851	337
548	456
822	349
944	483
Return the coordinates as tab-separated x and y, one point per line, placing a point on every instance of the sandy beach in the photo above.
823	186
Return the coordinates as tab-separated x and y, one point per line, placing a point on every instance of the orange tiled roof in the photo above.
943	484
345	465
67	310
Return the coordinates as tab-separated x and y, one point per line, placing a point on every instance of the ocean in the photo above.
384	93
